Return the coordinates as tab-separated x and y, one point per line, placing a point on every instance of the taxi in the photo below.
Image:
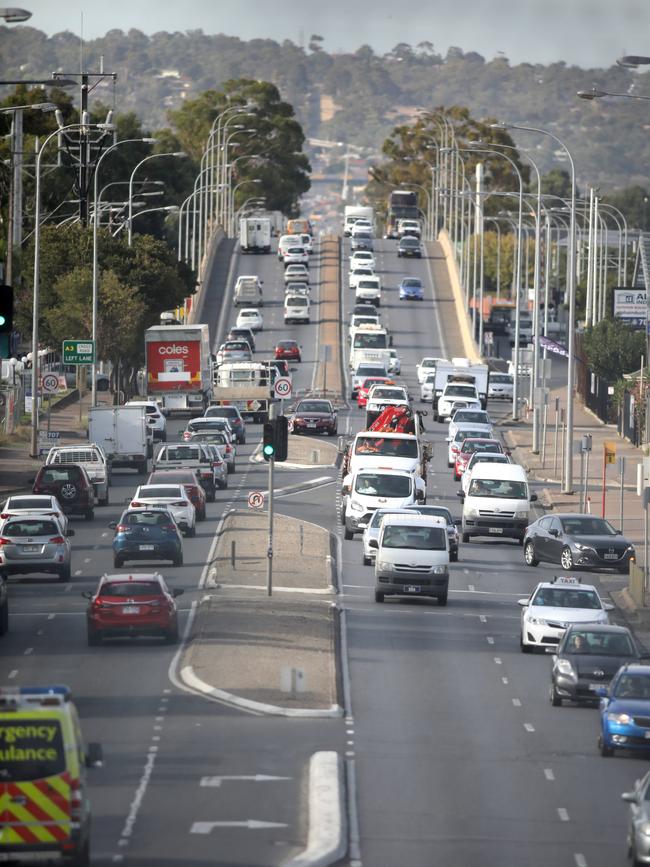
555	605
43	789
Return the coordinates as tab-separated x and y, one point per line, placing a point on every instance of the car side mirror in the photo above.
447	439
390	341
112	525
630	797
94	755
533	498
177	591
70	533
554	532
523	603
373	543
87	594
460	494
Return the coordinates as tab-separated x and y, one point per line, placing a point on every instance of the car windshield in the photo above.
387	447
460	391
31	752
30	503
159	492
473	416
184	453
297	301
364	320
236	344
636	686
210	437
587	643
363	340
229	412
437	511
368	284
29	528
183	478
501	378
463	434
376	485
498	488
369	370
213	423
420	538
389	393
131	589
428	362
587	527
313	406
477	446
560	597
488	458
409	242
287	344
412	284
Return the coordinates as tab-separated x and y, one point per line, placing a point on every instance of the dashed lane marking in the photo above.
563	814
529	727
548	773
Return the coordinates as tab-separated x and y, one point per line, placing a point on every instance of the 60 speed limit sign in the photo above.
256	500
50	383
282	387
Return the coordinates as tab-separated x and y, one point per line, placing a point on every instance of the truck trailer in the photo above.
179	367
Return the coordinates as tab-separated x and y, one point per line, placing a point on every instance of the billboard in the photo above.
631	306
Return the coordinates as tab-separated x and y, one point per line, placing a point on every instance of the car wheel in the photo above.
4	618
605	751
118	562
529	554
94	638
379	596
64	573
211	497
442	600
525	648
141	467
190	532
453	558
566	559
556	699
200	516
348	534
243	441
465	537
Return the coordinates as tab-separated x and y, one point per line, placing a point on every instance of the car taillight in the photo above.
120	528
4	541
57	540
75	800
169	526
135	504
216	463
5	515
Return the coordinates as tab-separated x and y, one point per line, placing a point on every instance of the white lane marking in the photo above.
249	824
39	632
51	616
29	650
490	640
482	618
529	727
349	754
580	859
215	782
516	702
563	814
471	588
350	743
138	798
104	535
497	660
548	773
504	680
86	559
13	674
77	572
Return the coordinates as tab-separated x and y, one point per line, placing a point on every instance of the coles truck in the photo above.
179	367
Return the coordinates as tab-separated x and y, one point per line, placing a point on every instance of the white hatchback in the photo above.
174	498
250	317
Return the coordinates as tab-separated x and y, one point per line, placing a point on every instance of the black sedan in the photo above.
577	541
587	658
314	416
409	246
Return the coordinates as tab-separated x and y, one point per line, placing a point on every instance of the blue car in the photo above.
146	534
625	710
410	289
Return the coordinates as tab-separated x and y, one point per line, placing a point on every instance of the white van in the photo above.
296	308
497	502
412	557
370	489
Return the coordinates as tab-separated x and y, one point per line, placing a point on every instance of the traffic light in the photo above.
275	442
6	319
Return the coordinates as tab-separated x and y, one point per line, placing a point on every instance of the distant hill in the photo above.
359	97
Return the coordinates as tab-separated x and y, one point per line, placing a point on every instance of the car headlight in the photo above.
356	507
582	547
536	621
564	667
623	719
385	566
472	513
439	570
521	514
645	829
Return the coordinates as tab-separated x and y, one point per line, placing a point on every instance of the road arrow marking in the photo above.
257	778
249	824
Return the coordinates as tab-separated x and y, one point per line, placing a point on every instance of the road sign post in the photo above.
256	500
269	553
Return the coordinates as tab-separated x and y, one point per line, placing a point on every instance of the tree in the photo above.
315	43
613	348
557	182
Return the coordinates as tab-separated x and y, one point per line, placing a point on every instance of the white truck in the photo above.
123	434
247	385
255	235
474	374
353	213
370	344
92	458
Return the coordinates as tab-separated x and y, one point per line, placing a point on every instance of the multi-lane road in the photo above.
454	754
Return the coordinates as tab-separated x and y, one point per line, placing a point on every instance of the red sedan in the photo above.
362	393
289	349
140	604
469	447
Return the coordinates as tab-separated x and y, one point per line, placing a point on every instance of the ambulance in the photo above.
44	807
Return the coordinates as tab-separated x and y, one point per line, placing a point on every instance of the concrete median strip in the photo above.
327	838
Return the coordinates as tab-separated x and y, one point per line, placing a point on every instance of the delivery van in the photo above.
43	788
296	308
412	557
497	502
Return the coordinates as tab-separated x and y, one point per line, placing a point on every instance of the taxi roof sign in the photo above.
566	579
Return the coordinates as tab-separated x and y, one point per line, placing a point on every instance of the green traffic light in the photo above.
268	449
2	320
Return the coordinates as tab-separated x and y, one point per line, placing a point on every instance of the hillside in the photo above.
359	97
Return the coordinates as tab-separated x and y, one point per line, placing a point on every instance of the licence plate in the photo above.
311	424
146	547
594	686
31	549
646	735
412	588
130	609
495	529
611	556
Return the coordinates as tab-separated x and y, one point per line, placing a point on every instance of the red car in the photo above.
188	480
362	393
469	447
288	349
138	604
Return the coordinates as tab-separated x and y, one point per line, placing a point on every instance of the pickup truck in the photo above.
188	456
92	458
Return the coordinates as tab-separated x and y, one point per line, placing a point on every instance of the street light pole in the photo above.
179	154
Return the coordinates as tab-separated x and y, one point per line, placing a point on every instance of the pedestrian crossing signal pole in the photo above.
269	455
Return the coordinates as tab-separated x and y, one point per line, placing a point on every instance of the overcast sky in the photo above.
588	33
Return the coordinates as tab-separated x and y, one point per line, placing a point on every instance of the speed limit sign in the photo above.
256	500
282	387
50	383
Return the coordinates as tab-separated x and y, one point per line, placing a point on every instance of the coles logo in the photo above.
173	350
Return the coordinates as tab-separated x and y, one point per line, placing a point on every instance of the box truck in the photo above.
179	367
255	235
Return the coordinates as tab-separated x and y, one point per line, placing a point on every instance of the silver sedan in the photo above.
34	543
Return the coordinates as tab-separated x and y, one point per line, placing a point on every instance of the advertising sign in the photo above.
173	365
630	305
